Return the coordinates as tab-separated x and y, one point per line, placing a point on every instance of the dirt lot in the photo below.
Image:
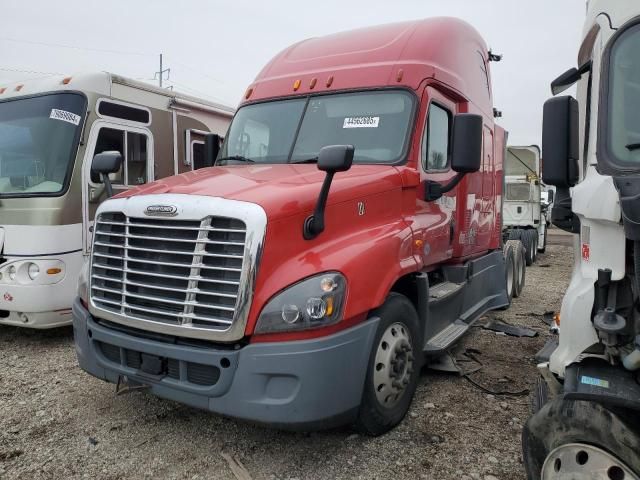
58	422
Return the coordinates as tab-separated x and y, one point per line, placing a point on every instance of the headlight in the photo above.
33	271
311	303
12	272
83	282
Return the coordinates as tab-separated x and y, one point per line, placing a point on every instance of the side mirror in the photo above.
466	154
466	151
560	142
335	158
211	148
105	163
331	159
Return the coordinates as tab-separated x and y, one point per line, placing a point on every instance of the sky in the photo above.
215	48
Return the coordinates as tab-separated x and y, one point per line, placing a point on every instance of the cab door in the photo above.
136	146
435	223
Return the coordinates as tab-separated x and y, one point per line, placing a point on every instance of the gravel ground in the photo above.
58	422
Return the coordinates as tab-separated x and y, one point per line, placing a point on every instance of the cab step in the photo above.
445	338
443	290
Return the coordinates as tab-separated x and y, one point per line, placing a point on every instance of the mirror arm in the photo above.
314	224
107	184
435	190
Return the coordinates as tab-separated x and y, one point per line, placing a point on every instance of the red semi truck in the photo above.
349	232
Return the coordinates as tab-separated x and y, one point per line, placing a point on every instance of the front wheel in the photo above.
580	439
394	367
543	247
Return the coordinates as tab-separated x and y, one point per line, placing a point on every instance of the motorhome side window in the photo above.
133	147
437	138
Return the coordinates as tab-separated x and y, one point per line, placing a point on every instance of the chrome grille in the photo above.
178	272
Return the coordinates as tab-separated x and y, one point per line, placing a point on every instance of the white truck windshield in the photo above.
624	99
293	131
38	141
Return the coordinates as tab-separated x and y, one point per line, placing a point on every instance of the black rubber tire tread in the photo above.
539	396
374	419
515	234
520	267
534	243
526	241
575	421
509	262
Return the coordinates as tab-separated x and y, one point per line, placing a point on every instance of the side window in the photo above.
197	155
133	147
437	135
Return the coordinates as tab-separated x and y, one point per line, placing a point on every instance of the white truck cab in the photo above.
586	423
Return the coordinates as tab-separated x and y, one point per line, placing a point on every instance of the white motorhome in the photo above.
50	130
522	210
587	423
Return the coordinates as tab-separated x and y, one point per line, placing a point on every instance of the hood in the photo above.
281	189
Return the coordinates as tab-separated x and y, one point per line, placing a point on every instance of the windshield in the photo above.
288	131
623	135
38	140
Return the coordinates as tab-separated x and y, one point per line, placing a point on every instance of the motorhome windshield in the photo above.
623	98
38	141
293	131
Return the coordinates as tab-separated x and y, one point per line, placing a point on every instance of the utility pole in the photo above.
160	73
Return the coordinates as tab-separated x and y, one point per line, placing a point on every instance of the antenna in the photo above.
160	73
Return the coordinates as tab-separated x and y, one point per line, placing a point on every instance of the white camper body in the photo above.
50	130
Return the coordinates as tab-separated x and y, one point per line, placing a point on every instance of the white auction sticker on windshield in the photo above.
361	122
65	116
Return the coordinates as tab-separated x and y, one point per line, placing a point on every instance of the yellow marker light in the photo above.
329	81
2	90
313	83
296	85
66	81
19	87
556	318
329	302
53	271
248	94
419	243
399	75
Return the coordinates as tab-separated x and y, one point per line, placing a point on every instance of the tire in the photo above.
528	244
543	248
534	248
515	234
509	271
540	395
375	417
565	423
520	267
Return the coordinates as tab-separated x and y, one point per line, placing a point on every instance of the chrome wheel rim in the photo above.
394	365
577	461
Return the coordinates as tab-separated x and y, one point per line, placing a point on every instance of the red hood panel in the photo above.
282	190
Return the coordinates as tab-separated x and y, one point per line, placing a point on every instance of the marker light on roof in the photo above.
67	80
399	75
296	85
313	83
329	81
248	94
19	87
2	90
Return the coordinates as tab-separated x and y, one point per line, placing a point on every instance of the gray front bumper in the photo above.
300	384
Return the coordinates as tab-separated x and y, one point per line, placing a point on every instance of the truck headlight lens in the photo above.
314	302
33	271
12	272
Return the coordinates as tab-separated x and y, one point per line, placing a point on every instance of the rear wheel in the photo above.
527	241
520	267
509	271
579	439
534	248
394	367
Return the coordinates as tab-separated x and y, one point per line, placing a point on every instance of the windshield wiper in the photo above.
306	160
237	158
633	146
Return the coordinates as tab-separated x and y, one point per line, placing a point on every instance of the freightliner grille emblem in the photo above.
161	210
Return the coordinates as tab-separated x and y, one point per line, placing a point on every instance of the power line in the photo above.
16	70
197	71
74	47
